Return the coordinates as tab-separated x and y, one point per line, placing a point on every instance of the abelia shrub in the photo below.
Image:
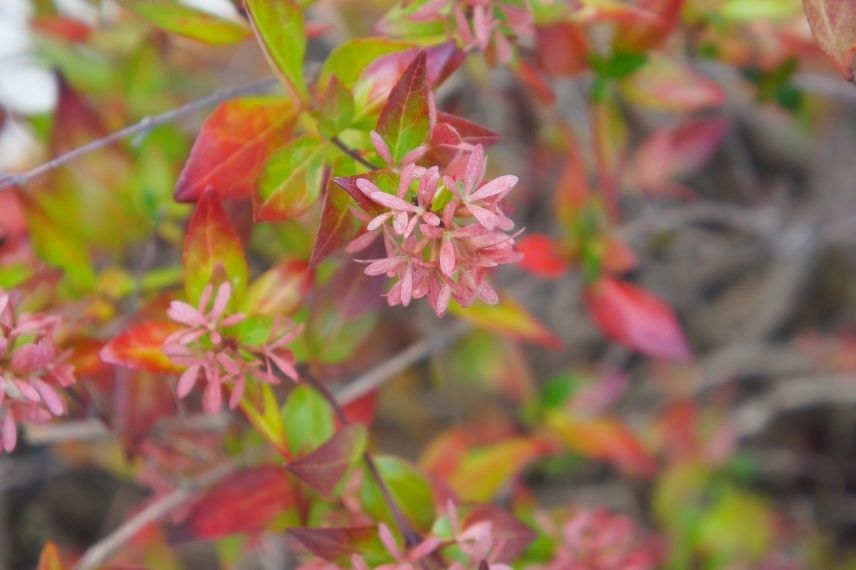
148	275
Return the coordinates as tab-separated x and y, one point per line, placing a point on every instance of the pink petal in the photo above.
475	169
414	154
224	291
442	302
10	432
367	187
390	201
187	381
378	221
284	363
50	398
185	314
237	392
447	257
406	286
399	224
389	542
380	147
502	184
381	266
361	242
212	398
485	217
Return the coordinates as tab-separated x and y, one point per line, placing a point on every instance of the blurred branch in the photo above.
142	126
101	551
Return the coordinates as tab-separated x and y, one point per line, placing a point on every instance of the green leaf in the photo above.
308	420
409	489
252	331
337	109
291	181
189	22
404	122
280	28
262	410
348	60
213	251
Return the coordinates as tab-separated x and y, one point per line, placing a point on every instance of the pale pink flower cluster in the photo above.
600	540
476	542
208	350
441	234
31	369
489	25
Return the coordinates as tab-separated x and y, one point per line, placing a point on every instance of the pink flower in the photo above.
32	369
400	210
482	200
439	259
383	151
208	350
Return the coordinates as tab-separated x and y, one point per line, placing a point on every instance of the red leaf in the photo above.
323	468
244	502
362	410
141	348
403	121
63	28
833	24
562	48
637	319
543	256
213	251
139	402
333	543
647	33
676	152
280	290
669	84
510	536
232	147
618	257
337	227
381	178
378	79
537	83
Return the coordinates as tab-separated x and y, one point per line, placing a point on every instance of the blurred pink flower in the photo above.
31	369
207	349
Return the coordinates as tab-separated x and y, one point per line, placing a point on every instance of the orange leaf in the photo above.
603	439
833	24
49	559
510	318
213	250
141	348
232	147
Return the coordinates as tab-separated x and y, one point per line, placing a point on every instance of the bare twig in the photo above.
100	552
352	153
143	126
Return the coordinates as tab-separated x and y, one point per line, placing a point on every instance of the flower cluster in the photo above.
489	25
31	369
441	234
215	346
600	540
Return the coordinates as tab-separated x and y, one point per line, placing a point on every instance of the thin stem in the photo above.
411	538
353	154
142	126
605	176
